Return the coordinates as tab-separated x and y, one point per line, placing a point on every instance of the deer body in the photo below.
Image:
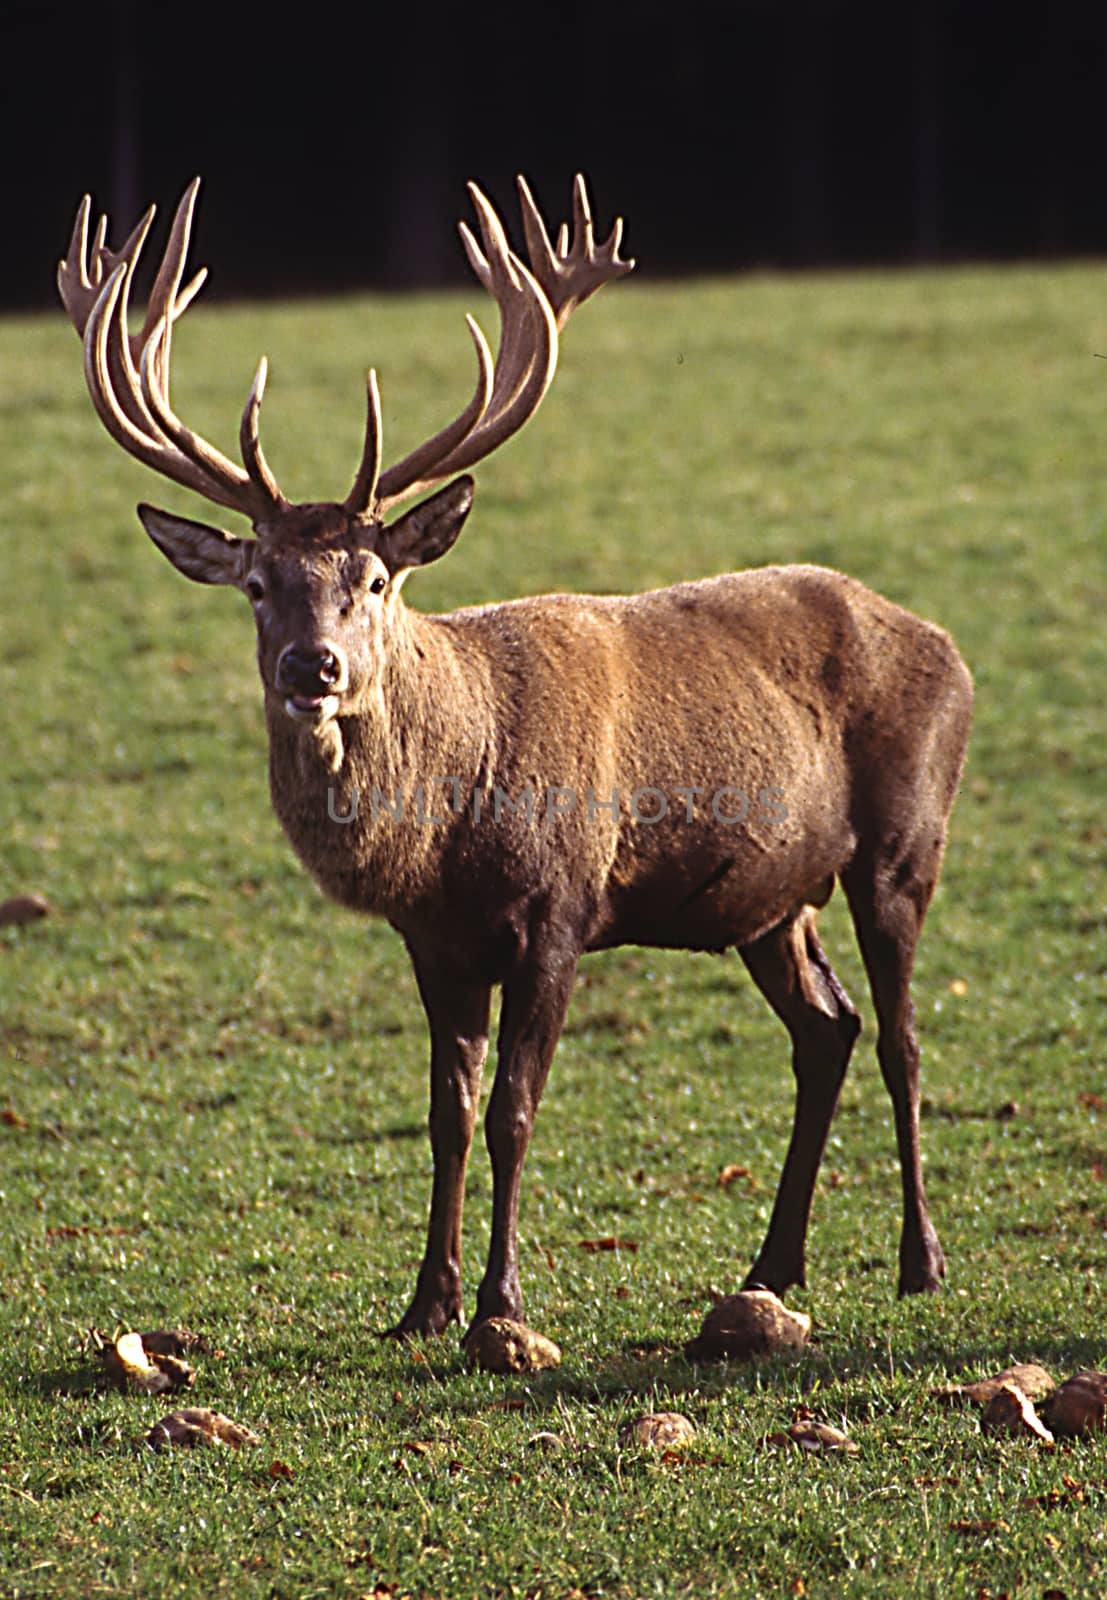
769	713
516	784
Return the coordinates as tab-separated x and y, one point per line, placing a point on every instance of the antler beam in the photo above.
534	305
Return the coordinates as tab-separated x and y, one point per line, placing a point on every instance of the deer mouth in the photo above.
310	707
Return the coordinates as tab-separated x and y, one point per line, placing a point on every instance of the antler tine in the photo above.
524	366
249	441
81	274
77	292
359	501
577	269
128	374
254	492
143	443
164	300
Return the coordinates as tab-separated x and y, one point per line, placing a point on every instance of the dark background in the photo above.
760	133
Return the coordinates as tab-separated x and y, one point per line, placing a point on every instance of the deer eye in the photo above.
255	588
378	585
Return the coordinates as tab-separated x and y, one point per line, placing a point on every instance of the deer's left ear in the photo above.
429	530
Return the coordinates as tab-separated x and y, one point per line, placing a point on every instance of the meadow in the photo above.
213	1091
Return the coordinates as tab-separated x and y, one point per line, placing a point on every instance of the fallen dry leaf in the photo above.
550	1442
197	1425
1092	1101
817	1438
1079	1405
280	1469
752	1323
1071	1493
985	1525
24	908
12	1118
499	1344
658	1430
129	1366
1034	1381
594	1246
177	1342
1010	1412
731	1174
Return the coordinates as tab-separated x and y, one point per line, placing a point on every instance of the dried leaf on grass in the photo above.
595	1246
658	1430
552	1443
177	1342
817	1438
196	1426
499	1344
1034	1382
1079	1405
1009	1411
1070	1493
23	908
752	1323
131	1365
732	1172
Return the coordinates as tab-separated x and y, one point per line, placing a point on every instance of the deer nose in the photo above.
306	671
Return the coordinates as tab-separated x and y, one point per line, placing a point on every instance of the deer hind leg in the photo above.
458	1017
535	1001
888	898
791	969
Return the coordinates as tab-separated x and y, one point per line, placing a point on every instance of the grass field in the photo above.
213	1092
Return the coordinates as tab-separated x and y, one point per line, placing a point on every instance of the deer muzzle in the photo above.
311	680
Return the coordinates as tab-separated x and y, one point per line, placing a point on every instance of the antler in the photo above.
570	274
534	305
128	374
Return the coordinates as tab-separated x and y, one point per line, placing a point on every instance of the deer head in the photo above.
324	578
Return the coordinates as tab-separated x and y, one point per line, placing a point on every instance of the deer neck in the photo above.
354	794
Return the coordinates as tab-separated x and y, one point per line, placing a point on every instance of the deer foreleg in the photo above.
534	1006
458	1017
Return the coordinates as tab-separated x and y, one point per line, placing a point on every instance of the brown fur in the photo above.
842	718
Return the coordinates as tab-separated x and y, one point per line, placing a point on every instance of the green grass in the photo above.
216	1081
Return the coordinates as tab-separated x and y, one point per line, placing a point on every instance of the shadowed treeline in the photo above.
752	133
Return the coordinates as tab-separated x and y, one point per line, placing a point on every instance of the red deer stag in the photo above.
512	785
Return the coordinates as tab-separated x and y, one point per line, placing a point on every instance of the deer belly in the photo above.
722	898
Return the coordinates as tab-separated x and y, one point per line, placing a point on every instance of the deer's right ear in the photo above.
206	555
